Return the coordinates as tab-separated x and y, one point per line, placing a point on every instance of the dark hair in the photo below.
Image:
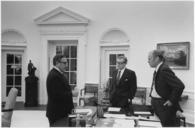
159	53
57	58
123	57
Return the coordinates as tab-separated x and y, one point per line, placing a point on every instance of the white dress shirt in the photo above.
58	69
154	93
122	71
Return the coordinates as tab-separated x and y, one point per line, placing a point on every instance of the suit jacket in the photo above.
60	102
126	89
168	85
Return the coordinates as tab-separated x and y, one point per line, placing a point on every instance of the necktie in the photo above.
118	77
153	82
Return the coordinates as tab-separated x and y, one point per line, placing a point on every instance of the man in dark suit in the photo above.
60	102
165	91
123	85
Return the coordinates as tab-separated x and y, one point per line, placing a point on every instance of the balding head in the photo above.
155	57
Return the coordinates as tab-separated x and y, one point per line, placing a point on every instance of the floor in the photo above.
20	106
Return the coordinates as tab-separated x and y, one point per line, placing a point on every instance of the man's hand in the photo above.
168	103
75	92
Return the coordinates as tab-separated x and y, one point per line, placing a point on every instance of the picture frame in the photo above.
176	54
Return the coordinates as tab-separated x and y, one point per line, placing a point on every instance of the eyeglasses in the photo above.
120	63
64	62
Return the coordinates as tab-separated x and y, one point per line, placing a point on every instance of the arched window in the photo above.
114	36
11	36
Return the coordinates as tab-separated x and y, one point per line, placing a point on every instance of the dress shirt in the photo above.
121	72
58	69
154	93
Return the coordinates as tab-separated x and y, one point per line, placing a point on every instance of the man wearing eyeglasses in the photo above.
123	85
60	102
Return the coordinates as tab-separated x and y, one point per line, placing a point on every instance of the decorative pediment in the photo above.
61	15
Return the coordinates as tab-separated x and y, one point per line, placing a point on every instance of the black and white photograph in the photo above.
97	63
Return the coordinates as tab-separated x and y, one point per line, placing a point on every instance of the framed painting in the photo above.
176	54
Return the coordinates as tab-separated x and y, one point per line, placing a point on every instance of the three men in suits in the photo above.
165	91
123	85
60	102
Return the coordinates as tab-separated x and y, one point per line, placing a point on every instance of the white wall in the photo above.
145	23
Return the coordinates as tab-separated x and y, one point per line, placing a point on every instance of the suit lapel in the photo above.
62	77
159	70
123	76
59	74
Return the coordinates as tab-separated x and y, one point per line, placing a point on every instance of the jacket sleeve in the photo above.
133	85
112	86
174	83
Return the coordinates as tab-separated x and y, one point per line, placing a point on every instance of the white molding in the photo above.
82	40
97	83
114	41
16	46
19	44
13	42
68	30
45	32
113	44
63	16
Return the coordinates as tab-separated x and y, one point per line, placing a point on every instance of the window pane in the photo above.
10	58
73	65
18	70
66	51
19	91
18	59
17	80
112	59
73	78
112	69
110	81
7	90
59	50
66	74
10	80
68	65
73	51
120	55
70	52
10	69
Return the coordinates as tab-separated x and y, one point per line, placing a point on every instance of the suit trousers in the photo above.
166	114
63	122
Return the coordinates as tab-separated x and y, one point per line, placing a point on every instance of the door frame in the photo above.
51	52
103	52
45	61
3	82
